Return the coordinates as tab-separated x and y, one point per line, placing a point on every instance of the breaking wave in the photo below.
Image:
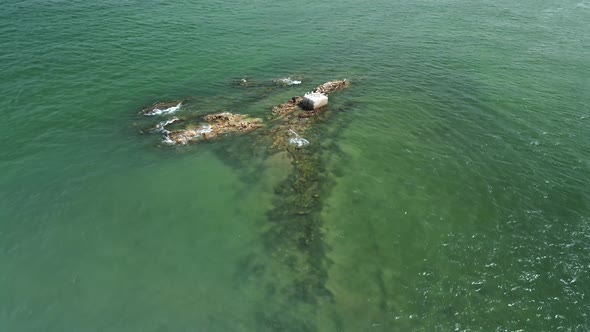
169	110
161	127
288	81
298	140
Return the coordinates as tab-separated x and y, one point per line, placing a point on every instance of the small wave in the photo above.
161	127
168	110
166	140
298	140
163	111
186	135
288	81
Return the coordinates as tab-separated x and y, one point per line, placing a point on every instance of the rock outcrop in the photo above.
332	86
217	124
288	107
294	233
286	119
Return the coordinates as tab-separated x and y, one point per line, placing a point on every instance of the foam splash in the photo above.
206	129
166	140
169	110
288	81
161	127
298	140
190	135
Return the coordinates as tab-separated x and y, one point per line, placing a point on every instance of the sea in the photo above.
451	178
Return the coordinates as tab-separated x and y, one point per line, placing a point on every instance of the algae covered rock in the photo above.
288	107
296	169
217	124
286	119
229	122
332	86
184	136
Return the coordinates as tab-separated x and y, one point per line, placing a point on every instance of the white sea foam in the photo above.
161	127
169	110
205	130
297	140
167	140
288	81
189	135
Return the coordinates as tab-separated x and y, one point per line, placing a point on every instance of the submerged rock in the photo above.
295	232
162	108
245	82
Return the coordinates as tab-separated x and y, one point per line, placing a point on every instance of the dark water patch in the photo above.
292	234
295	232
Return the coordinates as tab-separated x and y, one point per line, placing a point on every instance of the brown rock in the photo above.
332	86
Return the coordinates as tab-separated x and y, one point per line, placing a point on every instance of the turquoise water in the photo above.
454	171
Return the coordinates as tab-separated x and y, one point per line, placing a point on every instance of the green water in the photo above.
454	172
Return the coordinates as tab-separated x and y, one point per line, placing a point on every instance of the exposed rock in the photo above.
184	136
217	124
289	120
225	122
332	86
295	235
288	107
295	103
291	117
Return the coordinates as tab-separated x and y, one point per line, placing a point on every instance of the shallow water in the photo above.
453	172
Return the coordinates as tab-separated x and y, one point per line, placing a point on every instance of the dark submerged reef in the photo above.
292	235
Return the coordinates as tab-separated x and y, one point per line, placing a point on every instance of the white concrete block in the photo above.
314	100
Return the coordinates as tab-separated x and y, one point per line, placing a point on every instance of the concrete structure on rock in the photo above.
314	100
